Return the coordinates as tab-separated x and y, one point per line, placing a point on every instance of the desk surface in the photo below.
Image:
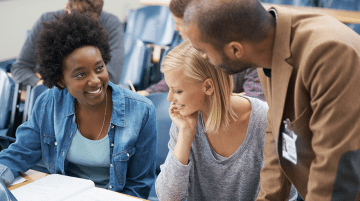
30	176
345	16
33	175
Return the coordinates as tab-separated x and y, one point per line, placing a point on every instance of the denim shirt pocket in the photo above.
49	151
121	164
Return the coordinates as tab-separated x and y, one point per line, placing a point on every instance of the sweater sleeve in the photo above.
173	180
23	70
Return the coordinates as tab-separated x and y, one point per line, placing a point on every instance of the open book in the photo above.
65	188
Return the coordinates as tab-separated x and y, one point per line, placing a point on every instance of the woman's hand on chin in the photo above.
183	122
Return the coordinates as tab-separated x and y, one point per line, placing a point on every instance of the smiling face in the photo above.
187	94
179	26
85	75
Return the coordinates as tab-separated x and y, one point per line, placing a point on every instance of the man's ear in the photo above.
234	50
209	86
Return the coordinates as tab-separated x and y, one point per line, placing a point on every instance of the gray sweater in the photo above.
23	70
209	176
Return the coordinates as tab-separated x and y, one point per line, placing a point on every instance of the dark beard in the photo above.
232	67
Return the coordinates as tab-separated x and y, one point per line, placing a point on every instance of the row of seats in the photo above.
334	4
311	3
149	35
13	112
353	5
9	93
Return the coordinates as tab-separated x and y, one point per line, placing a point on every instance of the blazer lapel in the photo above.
280	70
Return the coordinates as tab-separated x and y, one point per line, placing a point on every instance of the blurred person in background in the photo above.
24	69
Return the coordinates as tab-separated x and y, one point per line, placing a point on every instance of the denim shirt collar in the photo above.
118	110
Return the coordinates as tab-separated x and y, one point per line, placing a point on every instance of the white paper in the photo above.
53	187
18	180
57	187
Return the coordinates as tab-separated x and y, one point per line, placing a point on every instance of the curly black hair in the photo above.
62	36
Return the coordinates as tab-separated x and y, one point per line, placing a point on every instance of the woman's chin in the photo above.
187	113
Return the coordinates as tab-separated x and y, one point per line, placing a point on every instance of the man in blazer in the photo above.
309	68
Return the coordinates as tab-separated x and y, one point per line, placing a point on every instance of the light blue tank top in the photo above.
90	159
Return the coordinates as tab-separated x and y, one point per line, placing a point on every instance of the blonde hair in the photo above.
91	7
199	69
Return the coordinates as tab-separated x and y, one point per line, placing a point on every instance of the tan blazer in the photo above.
315	82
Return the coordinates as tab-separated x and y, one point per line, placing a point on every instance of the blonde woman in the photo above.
217	137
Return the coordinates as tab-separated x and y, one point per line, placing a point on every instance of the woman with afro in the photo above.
85	126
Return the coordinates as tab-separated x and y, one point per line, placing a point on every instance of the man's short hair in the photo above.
221	22
177	7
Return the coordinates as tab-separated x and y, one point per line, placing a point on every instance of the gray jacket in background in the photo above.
24	69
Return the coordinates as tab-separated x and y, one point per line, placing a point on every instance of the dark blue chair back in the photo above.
176	41
136	66
9	97
155	26
343	5
7	86
163	122
34	93
340	4
6	65
292	2
152	24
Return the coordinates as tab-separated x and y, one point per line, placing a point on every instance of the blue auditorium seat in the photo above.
343	5
311	3
155	26
176	41
34	93
163	122
136	66
9	96
340	4
152	24
7	64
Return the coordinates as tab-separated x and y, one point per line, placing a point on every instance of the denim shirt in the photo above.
48	134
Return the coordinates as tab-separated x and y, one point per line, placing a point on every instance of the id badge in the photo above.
289	143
